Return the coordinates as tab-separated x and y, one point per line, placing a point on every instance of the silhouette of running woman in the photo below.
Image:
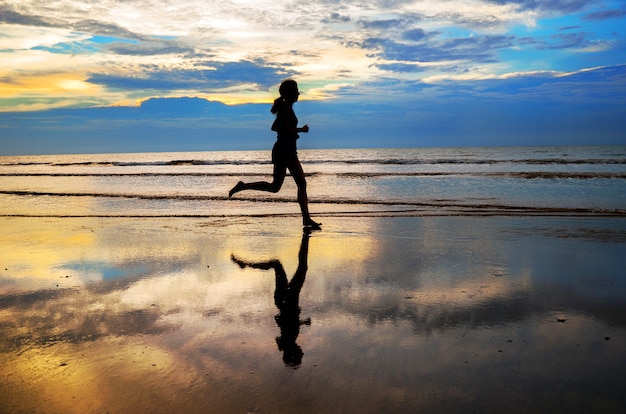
286	299
284	153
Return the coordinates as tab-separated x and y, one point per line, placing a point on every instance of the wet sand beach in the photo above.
396	314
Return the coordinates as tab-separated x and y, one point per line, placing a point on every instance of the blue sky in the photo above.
186	75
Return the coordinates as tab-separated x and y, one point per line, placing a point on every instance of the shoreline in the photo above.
404	209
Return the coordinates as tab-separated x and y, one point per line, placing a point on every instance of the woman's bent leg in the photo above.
273	187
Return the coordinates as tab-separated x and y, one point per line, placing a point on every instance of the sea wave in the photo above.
512	174
169	163
473	161
370	161
402	207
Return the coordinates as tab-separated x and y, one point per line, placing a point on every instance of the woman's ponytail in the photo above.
278	102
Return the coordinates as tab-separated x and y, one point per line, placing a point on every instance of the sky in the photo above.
83	76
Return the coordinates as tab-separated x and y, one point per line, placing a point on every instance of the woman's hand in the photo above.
304	129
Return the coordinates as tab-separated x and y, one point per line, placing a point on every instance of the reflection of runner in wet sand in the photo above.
284	154
286	298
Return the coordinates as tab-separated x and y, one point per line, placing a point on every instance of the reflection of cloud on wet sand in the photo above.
32	250
51	253
46	318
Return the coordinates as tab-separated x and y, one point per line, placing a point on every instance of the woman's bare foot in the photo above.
237	188
309	223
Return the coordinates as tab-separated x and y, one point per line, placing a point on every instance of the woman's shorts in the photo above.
284	153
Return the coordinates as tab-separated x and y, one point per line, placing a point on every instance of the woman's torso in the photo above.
285	124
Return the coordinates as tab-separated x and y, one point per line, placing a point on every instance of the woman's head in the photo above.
289	90
288	95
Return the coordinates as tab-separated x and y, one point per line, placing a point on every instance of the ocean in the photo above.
569	181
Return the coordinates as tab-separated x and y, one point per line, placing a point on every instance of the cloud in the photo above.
599	86
96	27
383	24
182	106
475	49
401	67
336	18
213	75
418	35
564	41
148	48
604	15
9	16
481	22
564	6
90	26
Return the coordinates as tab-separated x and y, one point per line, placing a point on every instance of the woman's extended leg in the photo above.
273	187
298	175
